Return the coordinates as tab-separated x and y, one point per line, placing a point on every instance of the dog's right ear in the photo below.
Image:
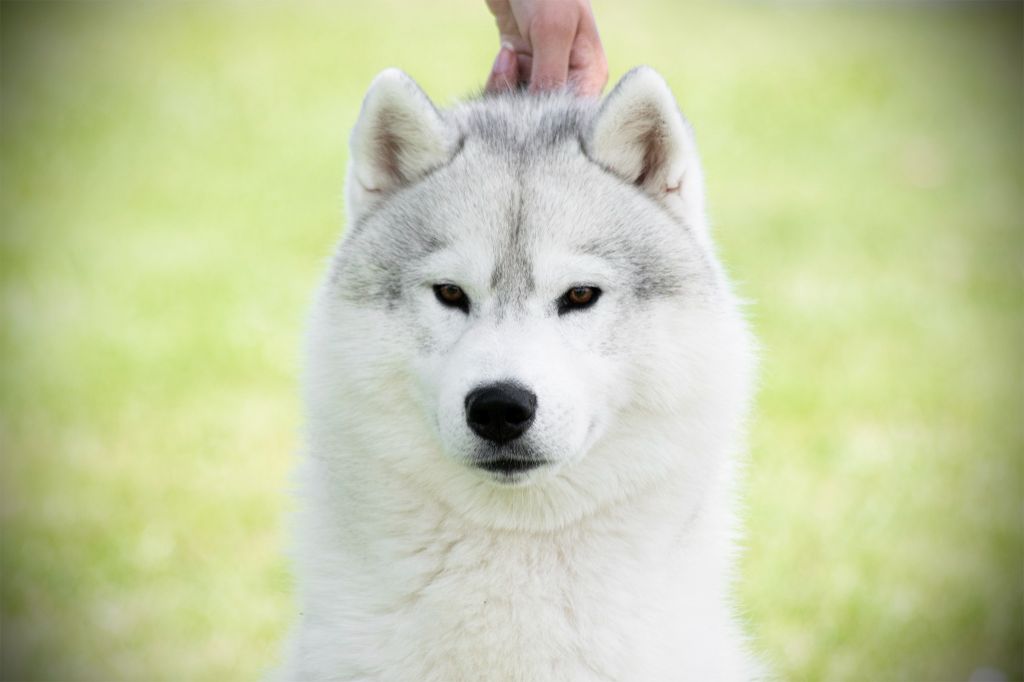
398	138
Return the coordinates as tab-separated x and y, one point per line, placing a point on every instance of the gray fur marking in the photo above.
512	278
370	267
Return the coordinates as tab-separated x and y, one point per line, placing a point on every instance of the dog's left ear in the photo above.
640	135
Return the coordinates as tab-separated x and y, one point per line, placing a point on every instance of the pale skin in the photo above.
547	45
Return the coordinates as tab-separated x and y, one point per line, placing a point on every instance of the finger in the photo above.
588	75
552	42
503	17
505	72
588	67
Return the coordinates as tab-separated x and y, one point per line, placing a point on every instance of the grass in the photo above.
171	182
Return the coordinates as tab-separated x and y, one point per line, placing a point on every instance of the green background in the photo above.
171	187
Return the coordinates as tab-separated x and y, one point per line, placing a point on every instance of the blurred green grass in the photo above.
171	182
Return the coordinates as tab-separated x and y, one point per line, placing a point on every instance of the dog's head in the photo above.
526	314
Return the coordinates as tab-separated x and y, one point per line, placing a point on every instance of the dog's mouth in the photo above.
508	466
510	463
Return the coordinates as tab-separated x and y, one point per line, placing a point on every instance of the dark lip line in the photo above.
510	465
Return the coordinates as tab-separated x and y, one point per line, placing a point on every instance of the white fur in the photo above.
613	562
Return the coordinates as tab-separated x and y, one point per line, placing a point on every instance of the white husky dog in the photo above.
526	385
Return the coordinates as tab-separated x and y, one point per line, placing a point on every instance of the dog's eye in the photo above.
578	298
452	296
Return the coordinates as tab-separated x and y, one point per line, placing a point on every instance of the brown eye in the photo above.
451	293
452	296
581	295
578	298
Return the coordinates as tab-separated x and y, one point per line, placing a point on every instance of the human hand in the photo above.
547	43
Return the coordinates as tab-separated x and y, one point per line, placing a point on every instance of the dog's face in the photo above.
523	317
524	283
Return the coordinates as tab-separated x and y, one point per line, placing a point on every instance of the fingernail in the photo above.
505	61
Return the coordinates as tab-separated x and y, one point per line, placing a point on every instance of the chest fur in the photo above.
595	603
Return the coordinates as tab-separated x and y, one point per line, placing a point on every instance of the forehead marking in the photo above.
512	278
652	273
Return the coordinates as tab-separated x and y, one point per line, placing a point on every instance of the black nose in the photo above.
500	412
